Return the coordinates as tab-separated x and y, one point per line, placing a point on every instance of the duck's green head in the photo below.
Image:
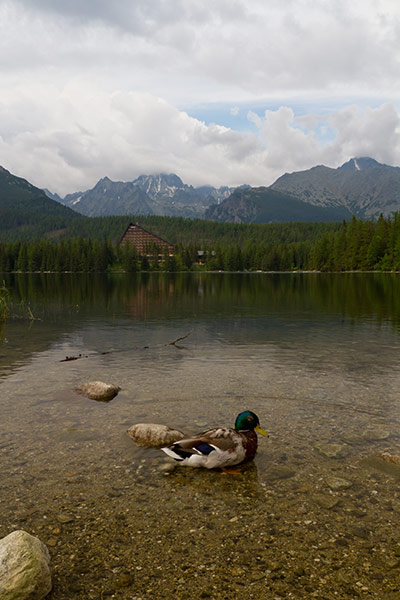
249	420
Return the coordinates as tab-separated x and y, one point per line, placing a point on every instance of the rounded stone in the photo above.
337	483
390	458
166	468
64	518
98	390
154	434
324	501
331	450
279	472
376	434
24	567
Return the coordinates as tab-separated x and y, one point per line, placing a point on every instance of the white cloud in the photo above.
293	143
372	132
226	50
286	143
119	134
92	88
67	141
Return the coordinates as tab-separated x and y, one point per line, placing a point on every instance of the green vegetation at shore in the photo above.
354	245
3	302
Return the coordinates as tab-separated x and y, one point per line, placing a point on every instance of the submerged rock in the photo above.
383	463
360	531
64	518
332	450
154	434
337	483
390	458
325	501
279	472
353	440
24	567
166	468
98	390
376	434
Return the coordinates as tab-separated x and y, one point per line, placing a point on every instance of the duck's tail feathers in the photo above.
177	453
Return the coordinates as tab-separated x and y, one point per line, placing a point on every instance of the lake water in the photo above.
316	356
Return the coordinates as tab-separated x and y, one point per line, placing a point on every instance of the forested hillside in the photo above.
173	229
357	245
27	213
266	205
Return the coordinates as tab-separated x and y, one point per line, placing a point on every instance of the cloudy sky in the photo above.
223	92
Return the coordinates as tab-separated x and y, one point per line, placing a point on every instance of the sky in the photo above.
220	92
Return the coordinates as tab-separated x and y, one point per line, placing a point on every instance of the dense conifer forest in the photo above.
20	226
355	245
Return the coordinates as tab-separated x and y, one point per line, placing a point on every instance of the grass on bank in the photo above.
4	302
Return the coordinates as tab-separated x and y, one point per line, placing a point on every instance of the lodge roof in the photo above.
141	238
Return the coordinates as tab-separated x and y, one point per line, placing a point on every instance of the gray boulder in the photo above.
24	567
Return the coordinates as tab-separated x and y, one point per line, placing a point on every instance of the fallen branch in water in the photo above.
69	358
174	343
180	338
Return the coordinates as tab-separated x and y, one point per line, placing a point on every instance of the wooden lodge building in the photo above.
145	241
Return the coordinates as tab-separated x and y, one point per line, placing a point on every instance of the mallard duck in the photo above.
220	447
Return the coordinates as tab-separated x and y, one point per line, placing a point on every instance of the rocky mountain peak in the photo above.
161	184
361	163
104	180
362	185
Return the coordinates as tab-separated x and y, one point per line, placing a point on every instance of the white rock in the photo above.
24	567
154	434
98	390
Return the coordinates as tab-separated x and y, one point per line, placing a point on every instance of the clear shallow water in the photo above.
316	356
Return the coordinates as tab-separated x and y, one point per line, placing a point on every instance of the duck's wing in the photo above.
217	440
223	438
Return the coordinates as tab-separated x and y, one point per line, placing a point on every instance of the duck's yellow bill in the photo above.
261	431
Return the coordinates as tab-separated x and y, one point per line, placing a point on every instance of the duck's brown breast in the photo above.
250	443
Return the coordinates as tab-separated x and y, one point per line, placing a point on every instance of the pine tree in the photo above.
129	258
22	263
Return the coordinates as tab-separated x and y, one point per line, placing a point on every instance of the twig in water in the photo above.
174	343
180	338
68	358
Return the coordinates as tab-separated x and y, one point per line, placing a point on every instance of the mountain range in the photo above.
362	187
161	194
266	205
